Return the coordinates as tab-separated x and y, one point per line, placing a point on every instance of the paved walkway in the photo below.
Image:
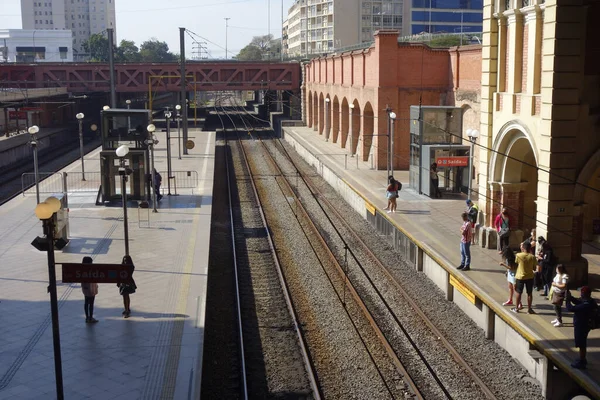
435	224
154	354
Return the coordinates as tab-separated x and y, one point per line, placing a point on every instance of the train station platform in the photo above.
157	352
428	231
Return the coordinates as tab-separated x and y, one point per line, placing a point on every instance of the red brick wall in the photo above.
465	65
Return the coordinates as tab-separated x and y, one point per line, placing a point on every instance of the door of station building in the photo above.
453	168
136	186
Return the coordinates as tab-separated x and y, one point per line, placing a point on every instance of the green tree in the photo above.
154	51
97	47
250	53
127	52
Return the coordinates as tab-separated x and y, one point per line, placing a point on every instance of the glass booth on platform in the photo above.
129	127
436	136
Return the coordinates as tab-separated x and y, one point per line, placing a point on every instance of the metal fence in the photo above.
49	182
181	179
76	183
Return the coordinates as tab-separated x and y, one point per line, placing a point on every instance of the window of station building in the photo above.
366	7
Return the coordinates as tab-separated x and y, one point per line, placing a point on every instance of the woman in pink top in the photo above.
502	225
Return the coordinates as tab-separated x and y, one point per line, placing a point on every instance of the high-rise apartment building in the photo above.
82	17
321	26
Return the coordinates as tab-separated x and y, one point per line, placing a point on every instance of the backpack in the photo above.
399	185
594	322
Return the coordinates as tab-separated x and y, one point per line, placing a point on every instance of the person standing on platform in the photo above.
466	235
510	264
125	289
157	183
502	225
583	310
546	265
473	213
558	290
90	290
435	181
392	194
526	264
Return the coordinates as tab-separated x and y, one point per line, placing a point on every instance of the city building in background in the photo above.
446	16
318	27
83	19
28	45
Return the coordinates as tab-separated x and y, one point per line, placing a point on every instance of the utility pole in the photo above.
226	34
183	101
111	67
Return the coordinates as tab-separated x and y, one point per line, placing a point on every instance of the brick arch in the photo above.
321	113
315	111
335	118
345	123
368	129
310	110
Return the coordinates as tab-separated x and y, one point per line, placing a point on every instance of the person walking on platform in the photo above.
157	182
583	309
466	235
557	293
510	264
473	213
502	225
392	194
90	290
435	181
125	289
524	277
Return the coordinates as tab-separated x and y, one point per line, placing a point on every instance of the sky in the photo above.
140	20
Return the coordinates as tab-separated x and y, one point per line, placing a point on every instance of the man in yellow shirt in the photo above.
526	264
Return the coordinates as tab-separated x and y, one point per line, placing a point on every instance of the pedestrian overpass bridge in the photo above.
155	77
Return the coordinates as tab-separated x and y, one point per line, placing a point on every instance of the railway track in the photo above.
395	353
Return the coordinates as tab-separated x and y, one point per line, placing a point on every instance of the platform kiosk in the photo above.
436	136
119	127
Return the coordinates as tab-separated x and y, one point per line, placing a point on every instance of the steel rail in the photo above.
453	352
310	368
359	302
235	270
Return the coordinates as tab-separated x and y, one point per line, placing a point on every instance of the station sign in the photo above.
456	161
98	273
190	144
19	114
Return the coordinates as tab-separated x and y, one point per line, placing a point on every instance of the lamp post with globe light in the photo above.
151	141
45	212
472	134
392	116
128	102
80	117
33	130
178	108
121	152
168	118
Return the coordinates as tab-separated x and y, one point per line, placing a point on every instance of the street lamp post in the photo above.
473	134
178	108
392	123
45	211
327	100
33	130
151	141
389	141
168	118
351	129
128	102
79	117
122	151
